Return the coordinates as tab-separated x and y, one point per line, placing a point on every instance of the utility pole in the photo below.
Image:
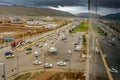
3	71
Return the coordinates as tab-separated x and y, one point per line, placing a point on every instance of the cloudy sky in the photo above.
74	6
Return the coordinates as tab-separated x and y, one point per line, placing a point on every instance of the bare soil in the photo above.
54	75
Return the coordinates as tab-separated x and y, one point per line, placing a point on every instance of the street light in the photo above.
69	59
44	55
17	62
3	71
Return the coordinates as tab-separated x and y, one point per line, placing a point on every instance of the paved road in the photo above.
112	54
96	66
25	61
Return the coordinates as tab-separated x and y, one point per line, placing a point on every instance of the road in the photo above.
112	52
22	62
95	64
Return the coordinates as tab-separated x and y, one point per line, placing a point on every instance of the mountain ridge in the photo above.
87	15
31	11
112	16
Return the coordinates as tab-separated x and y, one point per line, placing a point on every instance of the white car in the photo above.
77	48
109	45
113	69
52	50
97	49
35	62
47	65
61	63
36	54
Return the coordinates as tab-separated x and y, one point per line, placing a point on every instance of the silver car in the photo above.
61	63
36	62
48	65
113	69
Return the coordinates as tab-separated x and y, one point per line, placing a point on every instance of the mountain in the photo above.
87	15
112	16
32	11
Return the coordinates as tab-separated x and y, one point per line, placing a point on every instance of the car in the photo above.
109	45
97	50
36	54
28	49
29	52
76	43
64	38
52	50
48	65
9	55
37	45
105	55
52	42
77	48
36	62
61	63
40	46
113	69
109	41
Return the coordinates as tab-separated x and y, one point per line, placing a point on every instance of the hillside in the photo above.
86	15
112	16
31	11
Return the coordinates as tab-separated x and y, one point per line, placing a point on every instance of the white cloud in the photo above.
72	9
82	9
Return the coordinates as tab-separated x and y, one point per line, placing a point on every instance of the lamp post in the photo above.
44	55
70	60
17	63
3	71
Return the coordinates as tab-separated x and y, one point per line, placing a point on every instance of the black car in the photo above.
28	49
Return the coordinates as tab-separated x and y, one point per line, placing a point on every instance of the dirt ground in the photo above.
52	75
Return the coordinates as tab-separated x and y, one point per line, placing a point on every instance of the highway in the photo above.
112	53
23	62
95	64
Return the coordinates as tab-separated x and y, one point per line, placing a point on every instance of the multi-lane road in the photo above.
111	52
24	62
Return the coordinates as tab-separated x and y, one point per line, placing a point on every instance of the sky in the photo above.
73	6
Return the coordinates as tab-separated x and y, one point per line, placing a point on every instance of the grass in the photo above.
80	27
84	50
23	77
98	30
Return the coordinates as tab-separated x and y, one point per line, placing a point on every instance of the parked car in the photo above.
29	52
37	45
77	48
36	62
40	46
61	63
52	50
28	49
48	65
113	69
9	55
97	50
36	54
